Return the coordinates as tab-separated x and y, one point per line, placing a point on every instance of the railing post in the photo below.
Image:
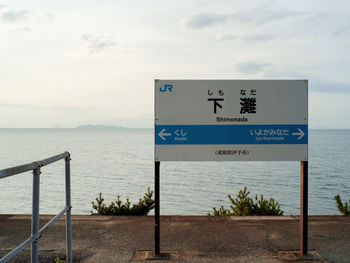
68	213
35	215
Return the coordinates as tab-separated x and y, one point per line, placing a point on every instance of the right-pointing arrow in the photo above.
300	134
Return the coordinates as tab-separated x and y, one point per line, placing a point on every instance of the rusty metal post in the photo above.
156	212
303	207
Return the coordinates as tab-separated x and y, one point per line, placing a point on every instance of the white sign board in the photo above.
231	120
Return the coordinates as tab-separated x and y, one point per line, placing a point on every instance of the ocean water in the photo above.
120	162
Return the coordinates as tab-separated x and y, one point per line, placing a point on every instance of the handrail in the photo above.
34	239
31	166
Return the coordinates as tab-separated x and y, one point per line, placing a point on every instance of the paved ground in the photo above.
187	238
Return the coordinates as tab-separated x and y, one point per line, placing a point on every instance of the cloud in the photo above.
343	31
258	38
14	16
316	84
246	38
203	20
98	43
251	67
20	30
50	17
226	37
255	17
328	86
14	106
62	109
276	72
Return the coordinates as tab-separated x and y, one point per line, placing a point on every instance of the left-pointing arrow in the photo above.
162	134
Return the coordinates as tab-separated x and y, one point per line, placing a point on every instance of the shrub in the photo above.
118	208
343	208
244	205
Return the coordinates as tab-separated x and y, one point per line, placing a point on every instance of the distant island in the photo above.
90	126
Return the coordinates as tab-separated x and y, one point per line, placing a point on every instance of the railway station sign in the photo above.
231	120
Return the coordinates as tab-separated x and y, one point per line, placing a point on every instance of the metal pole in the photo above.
35	215
68	213
303	207
156	213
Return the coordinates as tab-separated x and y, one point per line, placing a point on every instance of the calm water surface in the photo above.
120	162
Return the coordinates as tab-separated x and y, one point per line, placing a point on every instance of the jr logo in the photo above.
166	87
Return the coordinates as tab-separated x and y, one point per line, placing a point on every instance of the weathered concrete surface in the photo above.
187	238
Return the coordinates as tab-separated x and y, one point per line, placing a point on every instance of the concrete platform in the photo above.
185	238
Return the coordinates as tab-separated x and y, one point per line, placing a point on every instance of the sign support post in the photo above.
303	207
156	208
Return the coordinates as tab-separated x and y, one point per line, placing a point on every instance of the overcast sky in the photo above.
66	63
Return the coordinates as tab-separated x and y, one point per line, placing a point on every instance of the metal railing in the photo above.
34	239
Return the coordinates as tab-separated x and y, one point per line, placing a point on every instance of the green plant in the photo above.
119	208
343	208
58	260
244	205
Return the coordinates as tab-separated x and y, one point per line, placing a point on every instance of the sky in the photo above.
69	63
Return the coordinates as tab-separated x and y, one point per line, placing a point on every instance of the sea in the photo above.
120	162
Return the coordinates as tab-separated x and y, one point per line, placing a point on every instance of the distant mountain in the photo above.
90	126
